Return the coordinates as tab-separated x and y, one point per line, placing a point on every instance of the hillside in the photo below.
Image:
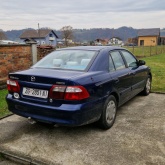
82	35
92	34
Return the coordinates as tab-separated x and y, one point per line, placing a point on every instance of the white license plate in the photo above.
35	92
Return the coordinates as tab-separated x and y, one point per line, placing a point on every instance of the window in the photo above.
111	65
50	35
130	59
67	60
141	42
118	60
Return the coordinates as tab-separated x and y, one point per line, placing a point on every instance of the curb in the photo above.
14	158
20	159
158	93
6	116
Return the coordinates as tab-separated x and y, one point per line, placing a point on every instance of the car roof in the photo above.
94	48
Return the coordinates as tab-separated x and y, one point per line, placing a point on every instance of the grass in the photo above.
3	105
158	72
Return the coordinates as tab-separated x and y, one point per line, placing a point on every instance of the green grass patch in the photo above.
3	105
157	64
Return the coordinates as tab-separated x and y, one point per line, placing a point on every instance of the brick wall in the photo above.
13	58
18	57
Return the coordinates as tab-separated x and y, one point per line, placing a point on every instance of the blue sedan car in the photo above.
78	85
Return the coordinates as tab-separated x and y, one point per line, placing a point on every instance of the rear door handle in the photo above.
116	80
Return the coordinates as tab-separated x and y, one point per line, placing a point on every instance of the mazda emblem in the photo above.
33	78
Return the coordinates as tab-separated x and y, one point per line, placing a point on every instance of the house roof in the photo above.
102	40
2	36
116	38
149	32
41	33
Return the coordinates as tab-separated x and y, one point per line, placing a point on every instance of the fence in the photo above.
144	51
156	63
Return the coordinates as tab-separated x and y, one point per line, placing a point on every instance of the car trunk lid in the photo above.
35	84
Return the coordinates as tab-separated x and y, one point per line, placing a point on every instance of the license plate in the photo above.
35	92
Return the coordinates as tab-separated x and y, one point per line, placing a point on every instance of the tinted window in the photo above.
67	59
130	59
118	60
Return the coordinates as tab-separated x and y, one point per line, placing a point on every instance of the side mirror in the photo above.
141	62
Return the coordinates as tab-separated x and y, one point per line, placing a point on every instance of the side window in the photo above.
111	65
130	59
118	60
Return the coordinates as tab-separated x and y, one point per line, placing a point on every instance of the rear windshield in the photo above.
67	60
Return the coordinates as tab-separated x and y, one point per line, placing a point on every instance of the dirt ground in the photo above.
137	138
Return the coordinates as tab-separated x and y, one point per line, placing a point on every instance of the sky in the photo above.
81	14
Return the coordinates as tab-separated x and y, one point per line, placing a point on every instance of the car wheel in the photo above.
109	113
147	87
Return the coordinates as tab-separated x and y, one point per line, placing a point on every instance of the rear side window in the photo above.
111	65
130	59
117	60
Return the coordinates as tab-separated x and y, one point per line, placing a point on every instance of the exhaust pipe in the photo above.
56	125
31	121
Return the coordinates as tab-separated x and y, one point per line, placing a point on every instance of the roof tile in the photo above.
41	33
149	32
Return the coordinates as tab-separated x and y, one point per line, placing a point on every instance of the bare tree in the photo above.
67	33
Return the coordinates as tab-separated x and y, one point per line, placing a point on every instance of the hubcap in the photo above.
110	112
148	85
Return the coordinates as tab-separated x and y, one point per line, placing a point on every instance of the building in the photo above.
41	37
115	41
148	37
3	36
4	42
162	36
132	41
100	41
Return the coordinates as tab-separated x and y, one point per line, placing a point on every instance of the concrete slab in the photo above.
137	137
6	162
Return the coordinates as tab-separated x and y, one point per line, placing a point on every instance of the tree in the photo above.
67	33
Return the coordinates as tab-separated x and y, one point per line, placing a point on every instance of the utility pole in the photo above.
39	33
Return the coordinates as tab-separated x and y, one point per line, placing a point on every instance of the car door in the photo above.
137	72
122	79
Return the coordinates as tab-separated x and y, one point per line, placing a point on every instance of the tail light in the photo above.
57	92
13	86
76	93
68	92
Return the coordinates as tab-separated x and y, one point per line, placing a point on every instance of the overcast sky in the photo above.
83	14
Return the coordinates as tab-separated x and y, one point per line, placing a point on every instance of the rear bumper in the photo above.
66	114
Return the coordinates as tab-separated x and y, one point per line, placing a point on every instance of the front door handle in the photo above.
133	73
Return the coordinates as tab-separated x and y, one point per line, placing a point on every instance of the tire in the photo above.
108	116
147	87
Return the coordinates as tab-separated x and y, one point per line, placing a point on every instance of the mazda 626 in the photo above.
78	85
